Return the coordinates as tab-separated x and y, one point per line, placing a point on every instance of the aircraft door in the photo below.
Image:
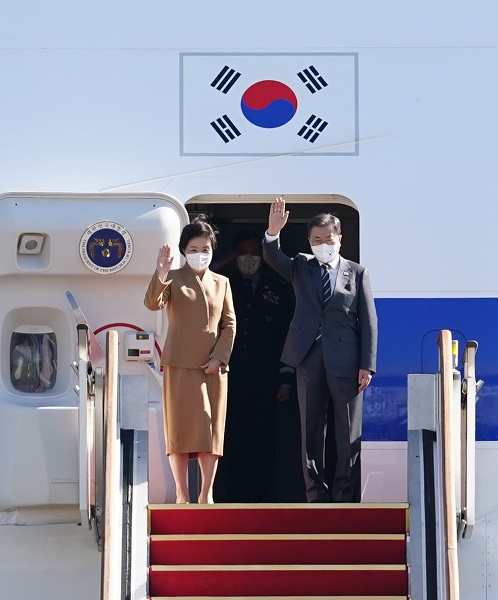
98	249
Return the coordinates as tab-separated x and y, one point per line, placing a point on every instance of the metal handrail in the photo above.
448	467
111	556
85	425
91	435
98	458
468	451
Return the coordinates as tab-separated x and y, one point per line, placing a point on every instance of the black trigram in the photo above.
225	79
225	129
312	129
312	79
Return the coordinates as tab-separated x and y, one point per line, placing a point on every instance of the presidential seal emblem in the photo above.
106	247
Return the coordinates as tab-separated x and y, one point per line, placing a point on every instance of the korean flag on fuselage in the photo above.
267	104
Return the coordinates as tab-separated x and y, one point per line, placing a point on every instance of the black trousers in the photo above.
331	419
246	471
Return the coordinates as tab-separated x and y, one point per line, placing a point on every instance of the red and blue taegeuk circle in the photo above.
268	104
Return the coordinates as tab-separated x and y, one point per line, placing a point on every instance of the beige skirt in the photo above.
195	406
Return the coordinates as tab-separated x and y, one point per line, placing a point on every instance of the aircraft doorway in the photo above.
235	213
262	457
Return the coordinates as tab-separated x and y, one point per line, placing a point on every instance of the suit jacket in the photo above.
348	322
201	317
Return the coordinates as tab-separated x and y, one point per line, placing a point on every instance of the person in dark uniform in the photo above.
257	380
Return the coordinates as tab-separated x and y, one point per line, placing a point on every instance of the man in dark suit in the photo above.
332	342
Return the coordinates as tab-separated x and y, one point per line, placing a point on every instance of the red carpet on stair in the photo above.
281	550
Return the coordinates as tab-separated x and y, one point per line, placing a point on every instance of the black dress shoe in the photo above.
322	496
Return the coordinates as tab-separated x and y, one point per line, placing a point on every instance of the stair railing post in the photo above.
111	556
449	516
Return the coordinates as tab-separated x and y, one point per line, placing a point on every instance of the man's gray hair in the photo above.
323	220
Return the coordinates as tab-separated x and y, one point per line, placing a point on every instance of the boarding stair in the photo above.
297	551
334	551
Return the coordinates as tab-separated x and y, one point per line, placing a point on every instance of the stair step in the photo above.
277	548
169	519
278	580
286	597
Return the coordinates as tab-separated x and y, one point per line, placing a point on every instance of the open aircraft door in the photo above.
63	255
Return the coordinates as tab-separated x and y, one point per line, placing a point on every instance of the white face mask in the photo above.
248	263
326	253
198	261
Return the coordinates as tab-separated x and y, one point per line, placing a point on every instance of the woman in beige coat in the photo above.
201	331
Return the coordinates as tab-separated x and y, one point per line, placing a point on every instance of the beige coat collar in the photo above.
207	286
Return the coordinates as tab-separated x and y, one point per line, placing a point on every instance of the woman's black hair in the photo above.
198	227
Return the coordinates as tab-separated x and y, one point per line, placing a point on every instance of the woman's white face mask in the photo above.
248	264
326	253
198	261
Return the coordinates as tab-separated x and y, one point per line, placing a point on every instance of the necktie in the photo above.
249	285
327	291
